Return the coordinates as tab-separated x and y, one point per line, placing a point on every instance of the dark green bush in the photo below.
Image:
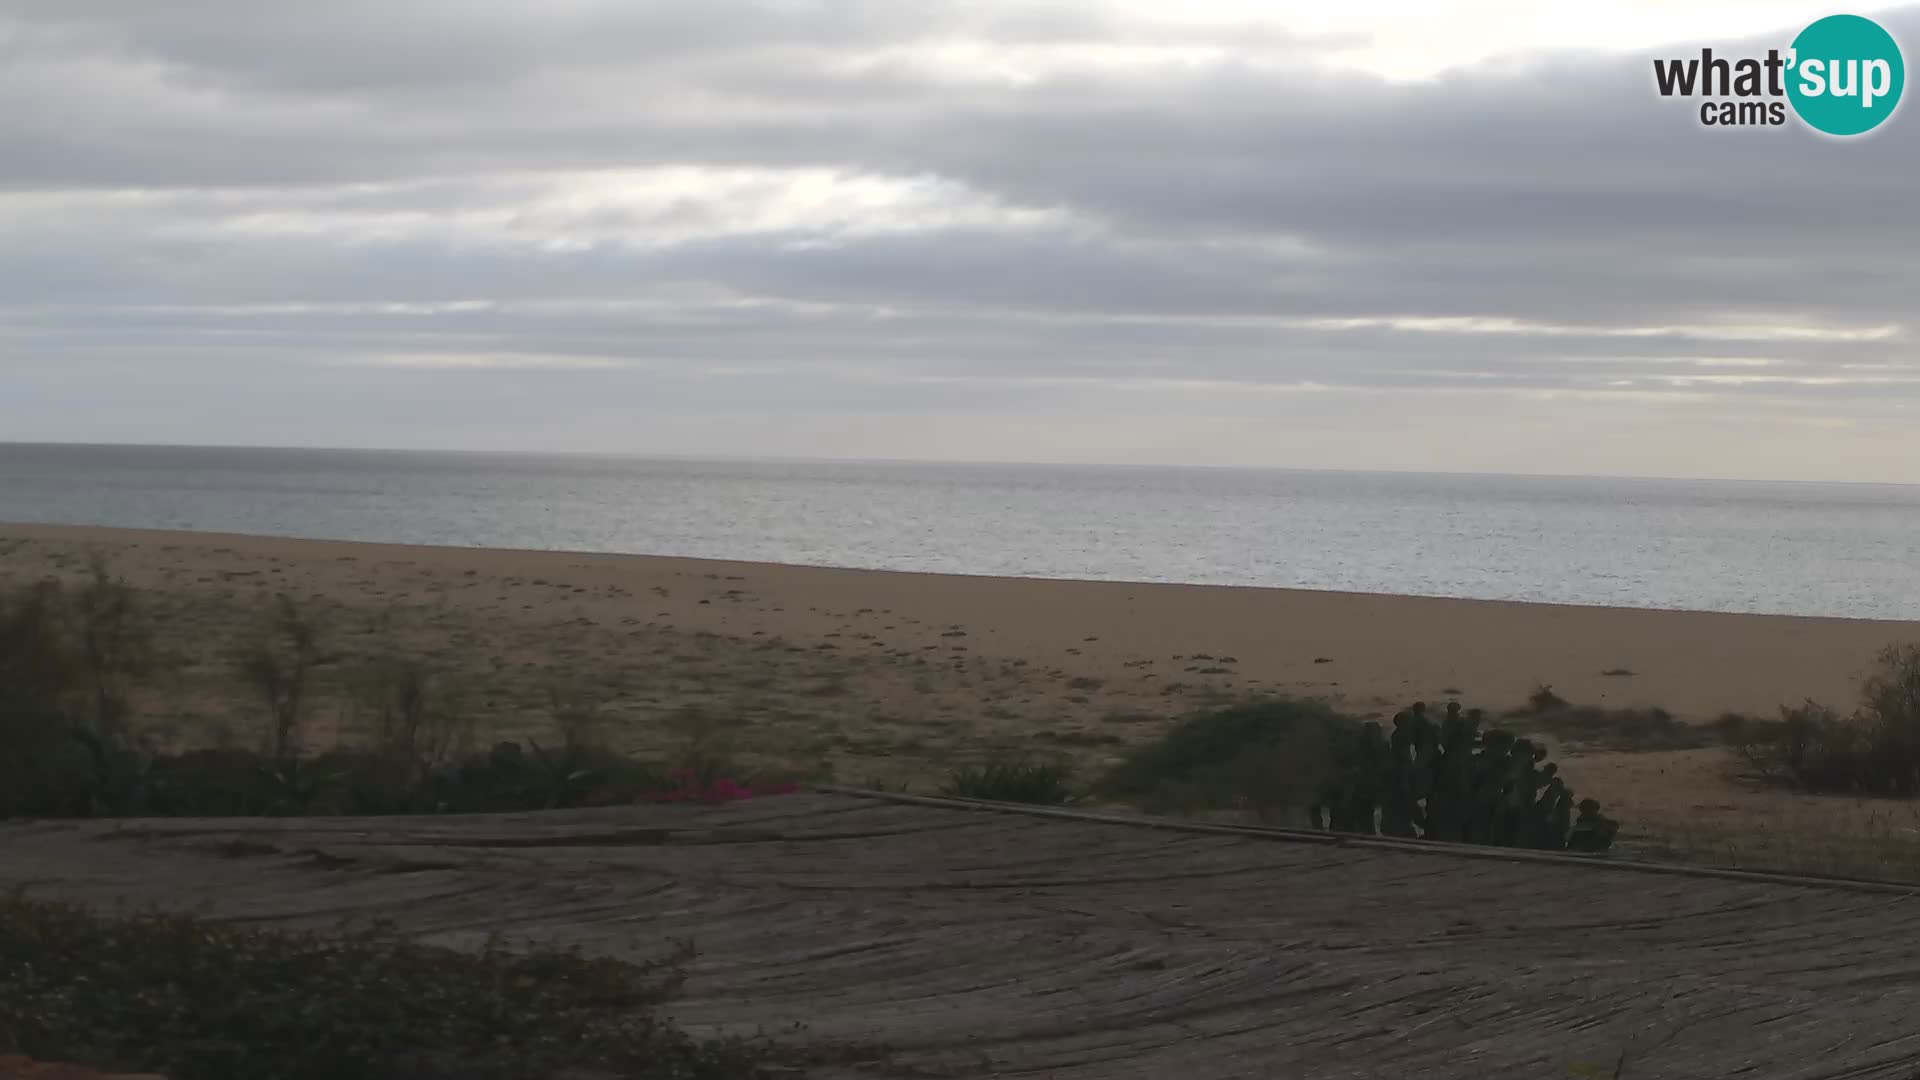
510	777
39	669
44	771
203	1000
1046	783
113	643
513	777
1634	730
69	657
411	714
1439	780
216	783
1874	750
67	661
1265	756
1544	700
277	662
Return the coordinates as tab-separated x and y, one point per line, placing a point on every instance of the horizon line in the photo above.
633	455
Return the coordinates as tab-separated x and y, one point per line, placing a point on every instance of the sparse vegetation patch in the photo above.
1045	782
203	1000
1445	779
1872	750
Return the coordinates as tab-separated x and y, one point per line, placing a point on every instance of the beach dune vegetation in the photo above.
1302	762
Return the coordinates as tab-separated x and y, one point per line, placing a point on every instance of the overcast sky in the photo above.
1451	236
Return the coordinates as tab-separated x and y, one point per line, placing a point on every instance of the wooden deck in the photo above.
979	943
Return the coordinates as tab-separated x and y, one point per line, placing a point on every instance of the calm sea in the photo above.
1817	549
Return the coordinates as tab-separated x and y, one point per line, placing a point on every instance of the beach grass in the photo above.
1869	839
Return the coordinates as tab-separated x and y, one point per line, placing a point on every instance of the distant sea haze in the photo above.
1789	548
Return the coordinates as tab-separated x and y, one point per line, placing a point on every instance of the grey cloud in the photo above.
1185	222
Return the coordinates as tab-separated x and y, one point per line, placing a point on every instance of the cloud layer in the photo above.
942	229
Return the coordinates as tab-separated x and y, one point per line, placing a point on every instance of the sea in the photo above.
1850	550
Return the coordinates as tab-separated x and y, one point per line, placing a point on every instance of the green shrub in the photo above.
42	768
39	668
278	664
216	783
203	1000
44	771
1874	750
113	645
1046	783
1544	700
411	715
510	777
1445	780
65	658
1265	756
69	658
1635	730
513	777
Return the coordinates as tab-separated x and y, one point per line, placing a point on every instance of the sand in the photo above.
891	677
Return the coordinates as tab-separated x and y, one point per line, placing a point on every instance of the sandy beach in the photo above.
894	677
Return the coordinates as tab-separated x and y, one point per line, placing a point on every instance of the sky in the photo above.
1461	237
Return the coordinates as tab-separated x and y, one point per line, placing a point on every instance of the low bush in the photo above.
245	783
513	777
510	777
1046	783
1873	750
411	715
44	771
1440	780
277	663
68	657
39	669
1270	757
218	783
1543	700
201	1000
1593	727
65	656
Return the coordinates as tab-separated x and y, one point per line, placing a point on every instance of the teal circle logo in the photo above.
1846	75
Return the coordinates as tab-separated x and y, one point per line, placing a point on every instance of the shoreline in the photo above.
62	531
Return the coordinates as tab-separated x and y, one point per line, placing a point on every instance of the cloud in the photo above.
804	220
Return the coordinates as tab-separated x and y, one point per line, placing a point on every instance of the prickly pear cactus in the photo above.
1450	780
1592	831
